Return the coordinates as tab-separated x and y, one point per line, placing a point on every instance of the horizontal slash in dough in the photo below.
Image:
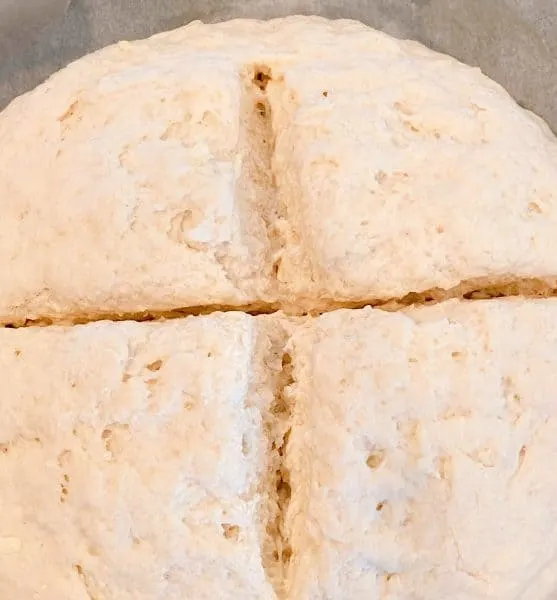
134	460
422	453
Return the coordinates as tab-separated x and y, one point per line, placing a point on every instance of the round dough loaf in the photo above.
297	163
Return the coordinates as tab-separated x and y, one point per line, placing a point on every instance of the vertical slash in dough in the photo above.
256	188
272	346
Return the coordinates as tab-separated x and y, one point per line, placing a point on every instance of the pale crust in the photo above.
135	179
299	163
422	454
134	461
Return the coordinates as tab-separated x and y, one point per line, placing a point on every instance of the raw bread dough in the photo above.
300	163
139	178
422	454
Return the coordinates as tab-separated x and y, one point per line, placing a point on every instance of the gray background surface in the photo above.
513	41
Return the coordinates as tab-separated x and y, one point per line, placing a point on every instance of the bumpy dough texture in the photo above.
133	461
422	454
142	461
138	178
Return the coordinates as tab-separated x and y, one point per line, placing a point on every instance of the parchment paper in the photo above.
513	41
22	19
